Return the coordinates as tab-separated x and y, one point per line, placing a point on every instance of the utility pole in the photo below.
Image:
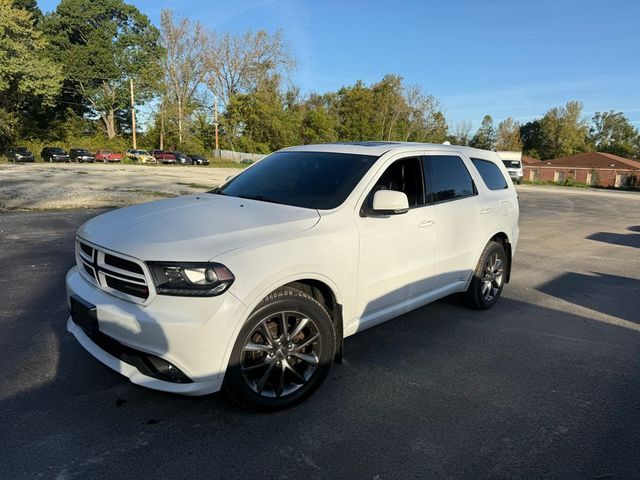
162	124
179	120
133	115
215	120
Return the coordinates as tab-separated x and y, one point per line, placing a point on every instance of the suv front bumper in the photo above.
195	335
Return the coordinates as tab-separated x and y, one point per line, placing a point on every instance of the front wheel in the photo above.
488	278
283	352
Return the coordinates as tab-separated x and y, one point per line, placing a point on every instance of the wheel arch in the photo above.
323	290
503	239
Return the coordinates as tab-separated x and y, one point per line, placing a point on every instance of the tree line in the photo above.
75	74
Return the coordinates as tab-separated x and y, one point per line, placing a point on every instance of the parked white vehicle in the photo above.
513	162
254	285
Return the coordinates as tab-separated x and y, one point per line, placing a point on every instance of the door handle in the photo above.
484	211
426	223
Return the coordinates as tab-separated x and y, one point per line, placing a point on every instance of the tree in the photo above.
390	108
318	125
184	63
425	122
26	72
531	137
563	131
31	6
485	137
461	133
508	136
436	130
240	63
260	121
355	109
103	44
612	132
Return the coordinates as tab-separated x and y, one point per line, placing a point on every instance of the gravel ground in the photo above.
38	186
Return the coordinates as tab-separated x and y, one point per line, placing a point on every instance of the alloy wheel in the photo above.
281	354
492	277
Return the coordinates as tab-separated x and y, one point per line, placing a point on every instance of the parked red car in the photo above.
163	157
108	156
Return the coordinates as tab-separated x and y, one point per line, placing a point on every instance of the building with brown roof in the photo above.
526	160
591	168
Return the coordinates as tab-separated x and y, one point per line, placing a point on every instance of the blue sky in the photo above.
501	57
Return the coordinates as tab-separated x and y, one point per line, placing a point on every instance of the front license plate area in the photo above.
84	314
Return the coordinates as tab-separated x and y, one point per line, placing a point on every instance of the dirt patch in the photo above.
66	186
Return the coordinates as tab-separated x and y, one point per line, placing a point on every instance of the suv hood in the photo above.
195	227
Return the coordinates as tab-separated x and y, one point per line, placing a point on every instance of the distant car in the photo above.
199	160
141	156
182	159
54	154
108	156
81	155
20	154
163	157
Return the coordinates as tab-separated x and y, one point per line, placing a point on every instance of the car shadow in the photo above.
622	239
609	294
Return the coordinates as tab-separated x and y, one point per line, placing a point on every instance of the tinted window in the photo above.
491	174
402	176
57	151
303	179
449	178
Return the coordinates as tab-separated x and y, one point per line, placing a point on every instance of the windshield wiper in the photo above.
261	198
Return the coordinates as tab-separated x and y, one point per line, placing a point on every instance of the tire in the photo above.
50	159
488	278
274	367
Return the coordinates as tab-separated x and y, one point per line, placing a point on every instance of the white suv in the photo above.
254	285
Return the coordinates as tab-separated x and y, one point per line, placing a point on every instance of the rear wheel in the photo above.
488	278
283	352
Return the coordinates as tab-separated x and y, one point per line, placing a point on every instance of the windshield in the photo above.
82	152
317	180
143	152
57	151
511	163
23	151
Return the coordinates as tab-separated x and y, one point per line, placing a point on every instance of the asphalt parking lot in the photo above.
545	385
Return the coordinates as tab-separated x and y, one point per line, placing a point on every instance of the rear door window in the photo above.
490	173
448	177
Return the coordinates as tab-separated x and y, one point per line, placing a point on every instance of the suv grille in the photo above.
115	274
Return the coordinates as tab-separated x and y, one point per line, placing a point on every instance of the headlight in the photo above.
191	279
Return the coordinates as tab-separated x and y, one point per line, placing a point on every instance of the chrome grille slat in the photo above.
117	280
110	274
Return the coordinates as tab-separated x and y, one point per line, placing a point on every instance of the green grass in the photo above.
226	163
149	193
201	186
566	183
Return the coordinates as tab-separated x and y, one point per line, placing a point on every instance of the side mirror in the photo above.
390	202
229	178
